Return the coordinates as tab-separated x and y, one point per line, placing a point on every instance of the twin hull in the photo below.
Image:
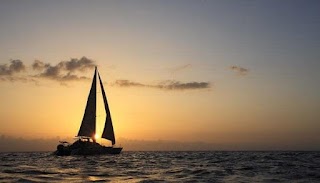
85	148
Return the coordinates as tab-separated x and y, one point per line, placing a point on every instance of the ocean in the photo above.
211	166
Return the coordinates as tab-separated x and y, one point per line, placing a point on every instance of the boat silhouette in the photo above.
86	139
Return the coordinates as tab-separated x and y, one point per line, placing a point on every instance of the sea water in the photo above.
212	166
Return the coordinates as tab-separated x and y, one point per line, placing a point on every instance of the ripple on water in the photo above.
163	167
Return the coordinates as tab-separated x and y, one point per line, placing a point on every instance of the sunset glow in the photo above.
238	74
96	136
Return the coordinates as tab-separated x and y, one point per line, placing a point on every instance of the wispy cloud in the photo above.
165	85
176	69
128	83
177	85
15	66
22	79
239	70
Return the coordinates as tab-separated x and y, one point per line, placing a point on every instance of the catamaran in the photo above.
86	139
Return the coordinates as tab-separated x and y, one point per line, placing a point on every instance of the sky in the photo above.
239	74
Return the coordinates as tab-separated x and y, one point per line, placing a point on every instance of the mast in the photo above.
108	132
88	125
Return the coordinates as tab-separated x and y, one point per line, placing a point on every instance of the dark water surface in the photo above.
163	167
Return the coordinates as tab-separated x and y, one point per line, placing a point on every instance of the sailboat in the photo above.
86	139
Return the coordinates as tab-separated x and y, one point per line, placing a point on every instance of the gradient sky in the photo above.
251	69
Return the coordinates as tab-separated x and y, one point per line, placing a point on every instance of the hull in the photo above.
85	148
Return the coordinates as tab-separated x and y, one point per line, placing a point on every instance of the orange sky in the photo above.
191	71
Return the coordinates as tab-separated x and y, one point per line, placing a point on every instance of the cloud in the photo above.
78	65
165	85
72	70
22	144
15	66
177	85
127	83
19	79
239	70
64	70
38	65
18	144
179	68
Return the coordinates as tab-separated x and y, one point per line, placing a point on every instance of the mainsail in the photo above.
88	125
108	132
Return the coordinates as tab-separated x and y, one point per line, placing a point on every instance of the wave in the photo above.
162	167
